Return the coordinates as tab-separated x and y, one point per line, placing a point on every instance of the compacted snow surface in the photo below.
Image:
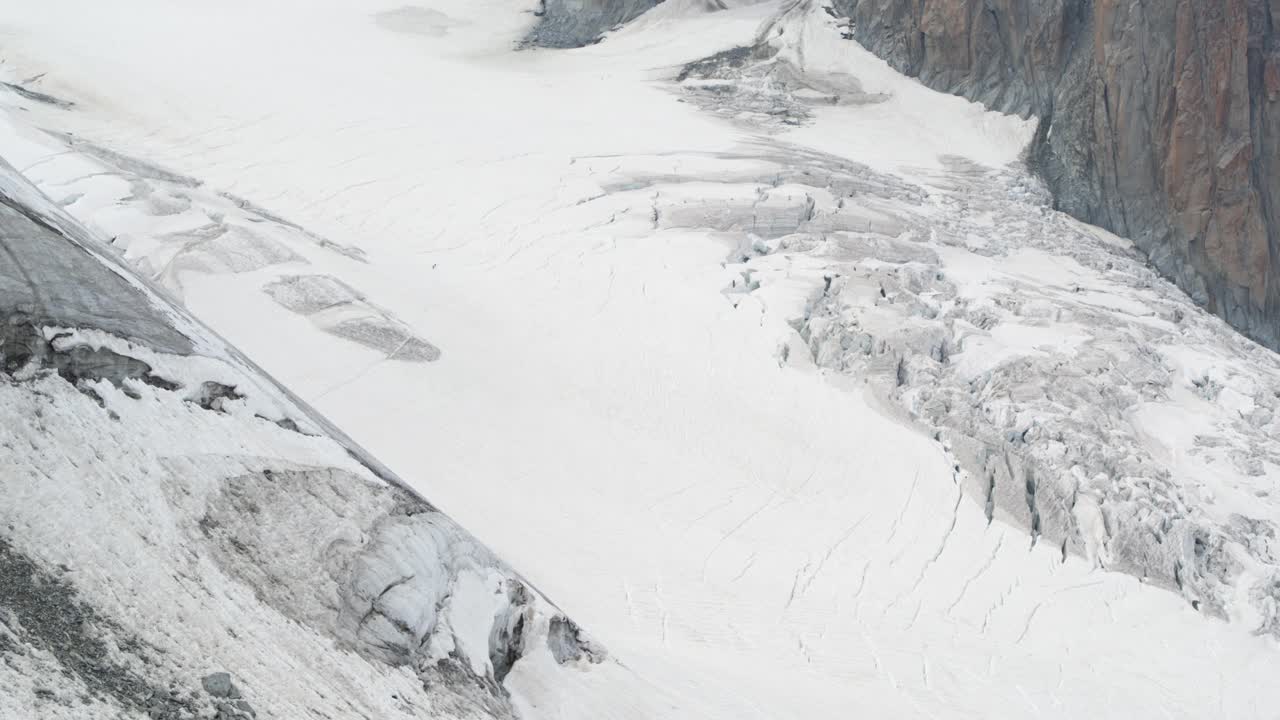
771	368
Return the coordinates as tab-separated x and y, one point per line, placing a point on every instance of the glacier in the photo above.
774	369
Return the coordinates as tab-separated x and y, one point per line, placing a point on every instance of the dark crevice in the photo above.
989	507
38	96
1032	504
23	344
507	639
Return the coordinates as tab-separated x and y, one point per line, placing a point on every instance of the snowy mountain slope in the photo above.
172	520
692	364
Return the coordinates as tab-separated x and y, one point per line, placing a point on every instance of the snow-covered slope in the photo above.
182	538
773	368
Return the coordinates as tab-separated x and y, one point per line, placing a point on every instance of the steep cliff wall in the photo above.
1160	120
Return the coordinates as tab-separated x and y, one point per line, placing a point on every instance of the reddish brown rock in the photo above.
1160	120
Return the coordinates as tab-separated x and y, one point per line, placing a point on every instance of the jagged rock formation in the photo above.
574	23
1159	120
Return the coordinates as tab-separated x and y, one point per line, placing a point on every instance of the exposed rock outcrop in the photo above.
575	23
1159	120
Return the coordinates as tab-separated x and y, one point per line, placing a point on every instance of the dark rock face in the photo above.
1160	120
575	23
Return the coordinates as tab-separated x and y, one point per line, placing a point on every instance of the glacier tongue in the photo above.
777	370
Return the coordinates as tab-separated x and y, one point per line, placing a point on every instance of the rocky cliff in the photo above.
575	23
1159	120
